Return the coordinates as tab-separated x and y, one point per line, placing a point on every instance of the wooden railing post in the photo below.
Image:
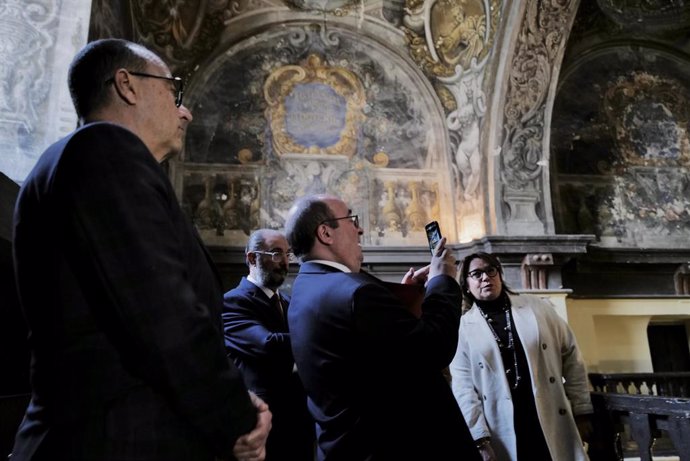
641	432
605	441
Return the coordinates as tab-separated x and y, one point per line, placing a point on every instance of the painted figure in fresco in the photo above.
372	368
258	340
464	40
122	300
468	160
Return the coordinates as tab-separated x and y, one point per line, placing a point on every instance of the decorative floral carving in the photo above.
540	40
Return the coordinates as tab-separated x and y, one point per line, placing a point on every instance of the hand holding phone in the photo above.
443	263
433	234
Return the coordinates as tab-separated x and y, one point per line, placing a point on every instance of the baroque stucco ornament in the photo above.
451	41
445	34
540	43
314	108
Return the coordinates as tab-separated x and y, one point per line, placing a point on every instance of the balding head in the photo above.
323	227
92	69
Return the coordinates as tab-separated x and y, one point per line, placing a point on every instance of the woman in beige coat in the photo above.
518	375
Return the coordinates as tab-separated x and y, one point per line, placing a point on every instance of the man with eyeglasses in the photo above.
373	370
258	340
121	298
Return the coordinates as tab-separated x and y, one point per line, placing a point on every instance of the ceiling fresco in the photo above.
621	148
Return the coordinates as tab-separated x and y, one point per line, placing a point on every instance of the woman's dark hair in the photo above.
304	218
467	297
93	68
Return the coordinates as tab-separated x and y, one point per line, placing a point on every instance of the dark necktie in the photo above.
275	302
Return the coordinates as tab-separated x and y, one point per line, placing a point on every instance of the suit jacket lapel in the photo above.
264	302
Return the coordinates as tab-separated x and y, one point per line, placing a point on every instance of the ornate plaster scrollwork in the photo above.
314	108
335	7
445	34
540	41
25	41
451	42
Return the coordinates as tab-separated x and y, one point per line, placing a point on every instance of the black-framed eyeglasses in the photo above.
353	217
177	82
277	256
478	273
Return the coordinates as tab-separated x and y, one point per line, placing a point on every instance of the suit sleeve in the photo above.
247	336
123	227
429	342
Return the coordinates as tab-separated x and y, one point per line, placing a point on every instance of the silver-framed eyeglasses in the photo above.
178	83
477	274
277	256
353	217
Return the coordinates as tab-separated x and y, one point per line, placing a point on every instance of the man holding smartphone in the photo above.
372	370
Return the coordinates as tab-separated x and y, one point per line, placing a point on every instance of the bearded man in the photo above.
258	340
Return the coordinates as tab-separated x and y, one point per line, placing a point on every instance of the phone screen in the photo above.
433	234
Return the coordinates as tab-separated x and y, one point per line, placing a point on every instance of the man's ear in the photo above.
124	86
251	259
324	234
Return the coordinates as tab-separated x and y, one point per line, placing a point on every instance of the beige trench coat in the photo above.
557	371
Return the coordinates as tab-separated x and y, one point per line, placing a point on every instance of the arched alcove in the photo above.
287	107
621	146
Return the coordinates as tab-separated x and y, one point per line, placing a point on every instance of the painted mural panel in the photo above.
621	146
309	109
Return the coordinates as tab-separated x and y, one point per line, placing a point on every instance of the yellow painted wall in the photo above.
612	333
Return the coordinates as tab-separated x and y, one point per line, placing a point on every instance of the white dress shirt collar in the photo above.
340	267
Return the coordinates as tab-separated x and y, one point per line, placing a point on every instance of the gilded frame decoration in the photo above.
283	84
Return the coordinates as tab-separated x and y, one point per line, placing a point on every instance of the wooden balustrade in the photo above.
670	384
651	406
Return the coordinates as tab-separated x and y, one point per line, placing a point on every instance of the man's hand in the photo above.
442	261
416	277
252	446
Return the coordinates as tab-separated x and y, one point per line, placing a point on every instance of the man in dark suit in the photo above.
122	301
371	368
257	338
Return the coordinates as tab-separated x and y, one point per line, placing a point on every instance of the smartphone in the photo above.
433	234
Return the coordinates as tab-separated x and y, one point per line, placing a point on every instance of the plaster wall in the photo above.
612	333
